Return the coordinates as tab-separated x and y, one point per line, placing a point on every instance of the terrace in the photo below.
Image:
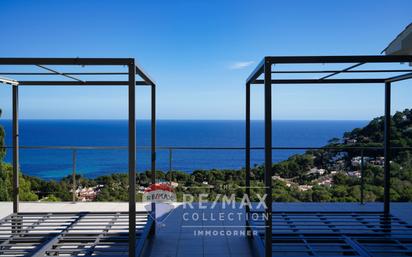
292	229
176	237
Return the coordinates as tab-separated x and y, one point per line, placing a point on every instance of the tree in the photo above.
334	141
320	194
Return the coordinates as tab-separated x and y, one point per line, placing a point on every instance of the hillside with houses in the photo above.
343	161
332	173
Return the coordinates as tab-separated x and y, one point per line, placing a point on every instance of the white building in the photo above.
356	174
402	44
316	171
304	187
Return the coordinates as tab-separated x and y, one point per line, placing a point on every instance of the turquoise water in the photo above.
54	164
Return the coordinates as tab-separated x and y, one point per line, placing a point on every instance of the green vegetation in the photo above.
2	135
314	176
27	191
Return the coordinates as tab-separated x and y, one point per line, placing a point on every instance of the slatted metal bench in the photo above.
333	234
72	234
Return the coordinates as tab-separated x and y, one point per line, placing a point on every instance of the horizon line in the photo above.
85	119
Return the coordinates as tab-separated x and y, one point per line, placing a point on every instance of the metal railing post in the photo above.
321	159
74	159
170	159
362	188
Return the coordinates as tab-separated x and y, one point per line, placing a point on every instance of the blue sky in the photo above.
200	53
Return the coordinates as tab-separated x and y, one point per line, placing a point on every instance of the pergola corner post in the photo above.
153	150
16	156
132	158
247	146
387	149
268	156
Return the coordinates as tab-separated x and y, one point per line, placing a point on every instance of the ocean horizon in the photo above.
57	163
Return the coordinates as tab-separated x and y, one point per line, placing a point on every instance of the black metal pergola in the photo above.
263	75
48	66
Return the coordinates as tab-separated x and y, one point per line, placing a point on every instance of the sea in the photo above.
57	163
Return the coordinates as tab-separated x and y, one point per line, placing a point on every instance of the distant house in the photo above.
305	187
316	171
207	184
350	141
378	161
326	182
287	181
357	160
88	194
355	174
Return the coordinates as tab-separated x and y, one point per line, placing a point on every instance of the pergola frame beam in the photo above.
59	73
327	59
84	83
337	72
400	78
67	61
330	71
322	81
67	73
265	68
338	59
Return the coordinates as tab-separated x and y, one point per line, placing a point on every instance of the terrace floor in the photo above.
178	235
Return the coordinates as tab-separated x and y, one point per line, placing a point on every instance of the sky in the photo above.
200	54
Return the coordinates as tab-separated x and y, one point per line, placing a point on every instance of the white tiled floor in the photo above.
177	237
